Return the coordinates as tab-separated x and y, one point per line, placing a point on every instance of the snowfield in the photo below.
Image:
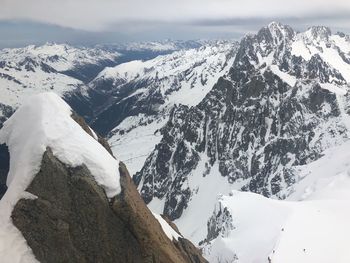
45	121
310	226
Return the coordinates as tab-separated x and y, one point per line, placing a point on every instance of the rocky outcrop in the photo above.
219	224
70	219
130	206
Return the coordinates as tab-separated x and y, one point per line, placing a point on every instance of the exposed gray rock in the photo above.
72	220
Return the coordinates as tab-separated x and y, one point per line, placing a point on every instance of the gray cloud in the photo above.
105	21
99	15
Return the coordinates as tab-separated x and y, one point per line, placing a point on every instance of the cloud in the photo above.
25	22
108	15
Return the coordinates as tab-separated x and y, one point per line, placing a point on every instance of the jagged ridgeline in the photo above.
282	103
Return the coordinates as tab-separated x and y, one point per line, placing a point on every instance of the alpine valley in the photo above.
242	146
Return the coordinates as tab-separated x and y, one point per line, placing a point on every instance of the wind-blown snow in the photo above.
44	121
168	230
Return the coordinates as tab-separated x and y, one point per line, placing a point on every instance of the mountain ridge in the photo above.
284	101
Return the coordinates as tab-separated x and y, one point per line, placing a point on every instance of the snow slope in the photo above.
45	121
312	228
193	222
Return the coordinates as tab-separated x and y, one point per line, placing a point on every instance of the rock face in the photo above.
70	219
276	109
4	168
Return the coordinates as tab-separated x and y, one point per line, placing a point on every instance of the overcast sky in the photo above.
101	21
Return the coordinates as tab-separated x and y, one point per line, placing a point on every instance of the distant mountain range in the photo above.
63	68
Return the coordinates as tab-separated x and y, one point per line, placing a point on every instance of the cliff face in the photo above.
4	168
71	219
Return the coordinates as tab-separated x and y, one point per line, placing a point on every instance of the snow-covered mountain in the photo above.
284	101
142	93
61	57
67	69
60	68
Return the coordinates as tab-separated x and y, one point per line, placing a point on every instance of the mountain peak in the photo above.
275	24
275	33
319	32
278	30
